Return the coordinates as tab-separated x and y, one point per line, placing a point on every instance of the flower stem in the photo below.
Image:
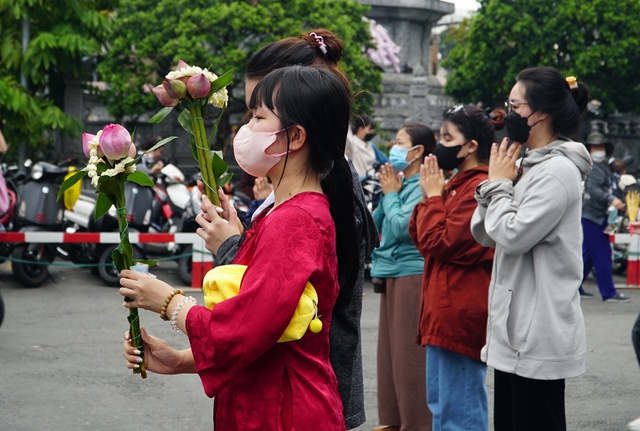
125	262
204	153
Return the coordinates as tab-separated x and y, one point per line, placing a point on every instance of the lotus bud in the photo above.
198	86
86	139
182	65
115	141
133	151
175	88
163	97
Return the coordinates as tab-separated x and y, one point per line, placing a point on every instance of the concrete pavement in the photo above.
61	366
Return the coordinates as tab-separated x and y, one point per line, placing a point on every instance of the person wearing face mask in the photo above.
151	162
402	400
530	210
318	47
457	269
360	150
259	380
597	199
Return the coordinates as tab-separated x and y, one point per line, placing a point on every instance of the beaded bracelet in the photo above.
163	310
174	315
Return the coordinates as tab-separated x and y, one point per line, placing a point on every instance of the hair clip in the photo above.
320	41
573	82
490	113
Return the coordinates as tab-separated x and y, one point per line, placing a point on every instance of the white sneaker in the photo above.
634	425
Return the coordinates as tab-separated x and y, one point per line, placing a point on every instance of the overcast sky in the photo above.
464	5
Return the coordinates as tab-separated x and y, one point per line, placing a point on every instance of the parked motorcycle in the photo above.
38	210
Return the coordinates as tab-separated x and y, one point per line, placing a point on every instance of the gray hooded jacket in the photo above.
536	327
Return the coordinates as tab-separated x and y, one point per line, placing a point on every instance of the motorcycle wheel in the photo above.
107	271
619	266
184	266
31	275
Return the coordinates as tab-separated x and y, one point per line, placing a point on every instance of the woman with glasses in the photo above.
457	269
531	214
402	399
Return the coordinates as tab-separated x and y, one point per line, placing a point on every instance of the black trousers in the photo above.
635	338
522	404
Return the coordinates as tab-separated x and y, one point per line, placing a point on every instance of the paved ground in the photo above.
61	367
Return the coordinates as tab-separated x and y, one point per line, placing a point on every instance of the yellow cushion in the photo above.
223	282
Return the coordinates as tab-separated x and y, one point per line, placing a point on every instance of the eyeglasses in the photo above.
509	105
455	109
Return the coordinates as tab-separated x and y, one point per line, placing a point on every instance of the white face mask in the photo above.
249	149
148	158
598	156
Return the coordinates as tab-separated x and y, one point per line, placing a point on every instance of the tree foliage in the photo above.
62	33
597	41
150	36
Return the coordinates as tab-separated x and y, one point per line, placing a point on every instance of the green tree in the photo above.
150	36
597	41
62	33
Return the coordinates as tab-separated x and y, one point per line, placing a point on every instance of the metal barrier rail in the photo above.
202	261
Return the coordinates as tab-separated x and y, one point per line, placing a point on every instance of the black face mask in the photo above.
448	156
369	136
517	127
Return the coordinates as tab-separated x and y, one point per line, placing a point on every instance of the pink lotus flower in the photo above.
163	97
198	86
86	139
175	88
182	65
115	141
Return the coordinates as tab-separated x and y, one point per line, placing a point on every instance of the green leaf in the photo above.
140	178
225	179
161	115
103	203
118	259
219	166
185	121
222	82
108	185
194	148
161	143
214	131
69	182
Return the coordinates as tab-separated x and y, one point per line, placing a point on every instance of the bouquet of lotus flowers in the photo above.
195	89
633	202
112	162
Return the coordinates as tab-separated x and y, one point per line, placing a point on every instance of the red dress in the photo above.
259	384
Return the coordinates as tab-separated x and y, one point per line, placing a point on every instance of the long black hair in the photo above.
547	91
477	124
319	101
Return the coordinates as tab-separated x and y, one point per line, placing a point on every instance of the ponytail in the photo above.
339	187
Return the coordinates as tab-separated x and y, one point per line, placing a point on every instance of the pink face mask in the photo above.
249	149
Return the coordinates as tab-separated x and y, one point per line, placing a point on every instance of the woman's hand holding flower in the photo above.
502	162
144	290
431	177
217	224
159	356
389	180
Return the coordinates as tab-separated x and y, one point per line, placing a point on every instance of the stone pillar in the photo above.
415	94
